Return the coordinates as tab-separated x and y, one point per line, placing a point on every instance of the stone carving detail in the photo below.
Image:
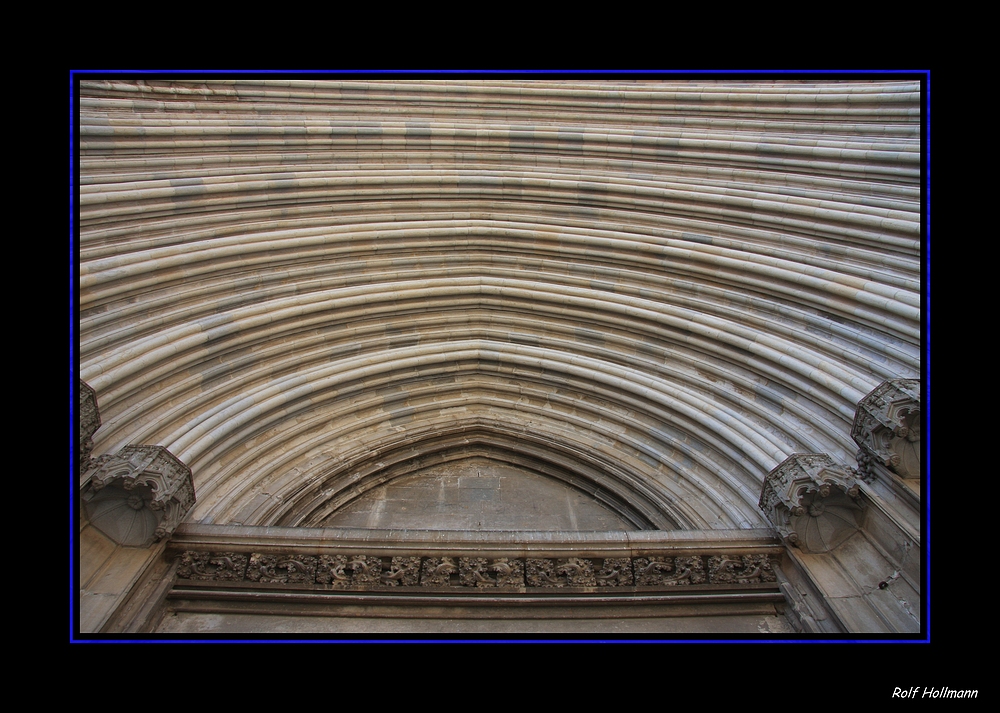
541	573
90	421
811	501
745	569
887	427
864	470
651	570
332	570
212	566
481	572
367	572
687	570
281	569
569	572
349	570
616	572
437	571
404	571
669	571
138	495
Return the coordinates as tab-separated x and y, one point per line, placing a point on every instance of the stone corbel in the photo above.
887	428
812	502
139	495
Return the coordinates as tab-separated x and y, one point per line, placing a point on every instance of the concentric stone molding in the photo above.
659	290
364	572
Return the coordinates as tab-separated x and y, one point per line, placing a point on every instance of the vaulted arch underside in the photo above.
652	292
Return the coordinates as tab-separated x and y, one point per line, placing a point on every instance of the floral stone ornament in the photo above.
887	427
138	495
812	502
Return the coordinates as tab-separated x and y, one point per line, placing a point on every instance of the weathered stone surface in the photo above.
138	495
646	295
811	500
887	427
297	303
90	421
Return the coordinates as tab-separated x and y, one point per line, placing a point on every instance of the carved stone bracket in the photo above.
811	501
887	427
90	421
138	495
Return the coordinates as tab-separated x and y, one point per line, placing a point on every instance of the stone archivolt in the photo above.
654	293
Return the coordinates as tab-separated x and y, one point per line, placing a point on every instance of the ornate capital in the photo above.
138	495
90	421
811	500
887	427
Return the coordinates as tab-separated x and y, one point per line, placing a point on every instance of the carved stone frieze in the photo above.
281	569
212	566
687	570
744	569
333	570
366	569
542	573
569	572
503	572
887	427
369	572
90	421
404	571
349	570
138	495
651	570
616	572
811	501
669	571
437	571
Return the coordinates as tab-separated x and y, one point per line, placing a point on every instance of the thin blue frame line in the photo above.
500	641
926	546
72	355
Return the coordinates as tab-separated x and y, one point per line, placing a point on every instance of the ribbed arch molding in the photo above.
651	291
